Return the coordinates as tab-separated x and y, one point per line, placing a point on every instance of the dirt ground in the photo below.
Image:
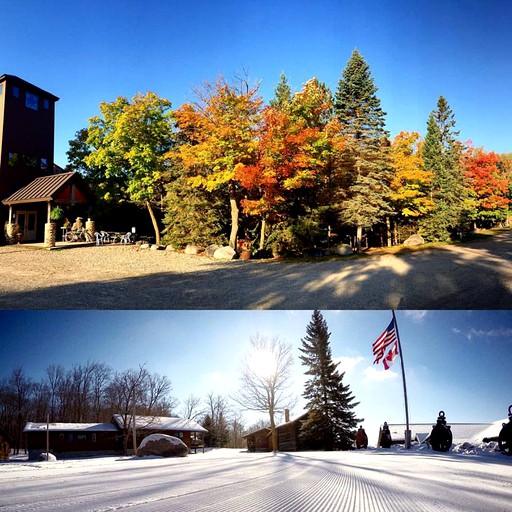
476	275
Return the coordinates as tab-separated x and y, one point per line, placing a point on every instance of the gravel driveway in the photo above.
475	275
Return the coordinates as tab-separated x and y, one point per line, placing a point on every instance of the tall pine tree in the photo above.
282	95
441	156
331	422
366	160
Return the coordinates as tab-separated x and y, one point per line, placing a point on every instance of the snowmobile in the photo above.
385	436
441	437
505	437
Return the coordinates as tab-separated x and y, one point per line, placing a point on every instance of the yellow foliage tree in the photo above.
410	182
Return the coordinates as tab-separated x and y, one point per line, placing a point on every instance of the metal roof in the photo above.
66	427
162	423
41	189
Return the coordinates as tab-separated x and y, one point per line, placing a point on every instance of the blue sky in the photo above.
86	53
456	361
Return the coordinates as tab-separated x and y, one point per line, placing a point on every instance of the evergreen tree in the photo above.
282	95
331	423
441	155
366	161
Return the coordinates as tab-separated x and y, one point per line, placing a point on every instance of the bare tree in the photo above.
54	375
192	409
216	419
265	379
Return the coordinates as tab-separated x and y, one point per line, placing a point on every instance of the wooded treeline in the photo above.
93	393
305	171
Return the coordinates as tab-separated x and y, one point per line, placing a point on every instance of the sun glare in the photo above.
263	363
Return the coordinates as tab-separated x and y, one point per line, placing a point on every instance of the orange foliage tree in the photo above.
489	185
220	135
294	144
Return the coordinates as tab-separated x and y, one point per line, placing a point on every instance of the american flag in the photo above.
387	339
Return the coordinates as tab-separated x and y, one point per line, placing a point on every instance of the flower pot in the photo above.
245	255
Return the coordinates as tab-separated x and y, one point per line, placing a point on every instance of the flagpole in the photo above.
407	431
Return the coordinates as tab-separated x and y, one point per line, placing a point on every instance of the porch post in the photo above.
50	230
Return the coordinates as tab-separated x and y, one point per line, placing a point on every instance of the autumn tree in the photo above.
365	199
130	141
265	379
219	134
441	155
488	184
411	182
293	148
331	421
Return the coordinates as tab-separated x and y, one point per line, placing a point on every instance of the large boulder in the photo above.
43	457
192	249
342	250
163	446
414	240
210	250
224	253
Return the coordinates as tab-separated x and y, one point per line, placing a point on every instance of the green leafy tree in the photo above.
366	163
441	156
331	422
130	141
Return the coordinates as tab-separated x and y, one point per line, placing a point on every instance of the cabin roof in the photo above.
161	423
68	427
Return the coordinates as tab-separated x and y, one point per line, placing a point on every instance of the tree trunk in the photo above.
388	233
273	431
359	237
262	233
234	215
155	223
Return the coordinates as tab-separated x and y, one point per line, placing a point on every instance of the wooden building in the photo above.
188	431
30	206
27	126
87	439
73	439
288	439
259	440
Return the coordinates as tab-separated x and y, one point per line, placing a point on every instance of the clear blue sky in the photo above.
87	53
457	361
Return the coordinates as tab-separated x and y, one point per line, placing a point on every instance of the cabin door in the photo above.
27	221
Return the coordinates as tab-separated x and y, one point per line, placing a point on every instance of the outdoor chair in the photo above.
99	238
125	239
105	237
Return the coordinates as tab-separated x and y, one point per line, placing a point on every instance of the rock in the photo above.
414	240
144	246
224	253
156	247
210	250
163	446
51	457
170	248
342	250
191	249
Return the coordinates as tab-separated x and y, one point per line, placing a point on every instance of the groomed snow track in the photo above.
373	480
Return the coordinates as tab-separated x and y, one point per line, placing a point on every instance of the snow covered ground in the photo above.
469	479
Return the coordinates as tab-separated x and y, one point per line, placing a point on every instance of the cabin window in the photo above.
13	159
70	437
1	88
46	104
93	438
15	91
44	164
31	101
81	437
